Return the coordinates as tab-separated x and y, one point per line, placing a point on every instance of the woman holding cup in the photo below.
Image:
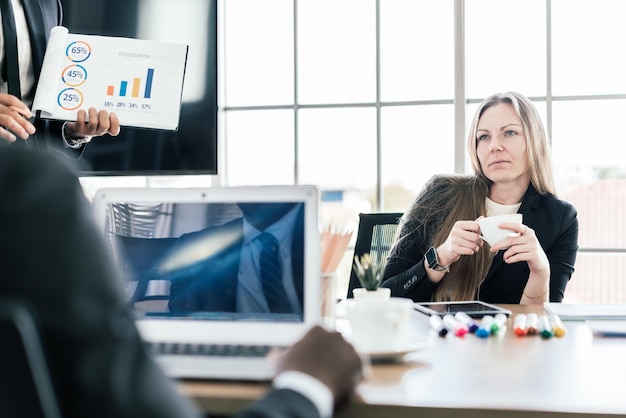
439	253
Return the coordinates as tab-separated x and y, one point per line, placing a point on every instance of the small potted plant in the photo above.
370	276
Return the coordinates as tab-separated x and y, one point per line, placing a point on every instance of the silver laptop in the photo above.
191	258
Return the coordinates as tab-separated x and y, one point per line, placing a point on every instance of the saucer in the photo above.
396	353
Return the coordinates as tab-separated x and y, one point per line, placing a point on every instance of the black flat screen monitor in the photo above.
192	149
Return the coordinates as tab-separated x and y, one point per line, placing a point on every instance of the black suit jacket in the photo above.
53	256
556	225
41	17
211	285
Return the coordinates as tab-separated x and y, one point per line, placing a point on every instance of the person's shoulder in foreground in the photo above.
57	260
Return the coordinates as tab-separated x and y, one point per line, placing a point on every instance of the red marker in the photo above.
455	326
519	325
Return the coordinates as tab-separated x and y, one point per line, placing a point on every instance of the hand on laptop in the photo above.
328	357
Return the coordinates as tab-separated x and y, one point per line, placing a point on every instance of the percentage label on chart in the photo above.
78	51
74	75
70	99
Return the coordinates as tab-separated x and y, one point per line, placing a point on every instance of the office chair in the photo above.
26	388
375	236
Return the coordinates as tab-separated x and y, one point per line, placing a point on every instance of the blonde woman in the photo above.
439	253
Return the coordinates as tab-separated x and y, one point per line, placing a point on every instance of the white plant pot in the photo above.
362	294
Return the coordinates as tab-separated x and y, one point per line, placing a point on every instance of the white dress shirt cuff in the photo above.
70	142
309	387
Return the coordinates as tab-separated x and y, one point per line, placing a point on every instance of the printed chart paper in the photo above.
141	81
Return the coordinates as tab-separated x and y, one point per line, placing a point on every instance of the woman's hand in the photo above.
463	239
14	117
524	247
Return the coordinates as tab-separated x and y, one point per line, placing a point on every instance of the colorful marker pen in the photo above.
484	329
499	324
557	326
436	323
519	325
467	320
458	328
532	324
545	330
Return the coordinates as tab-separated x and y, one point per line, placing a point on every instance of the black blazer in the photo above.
41	17
555	223
53	256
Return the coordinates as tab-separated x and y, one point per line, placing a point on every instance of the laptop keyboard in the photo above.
216	350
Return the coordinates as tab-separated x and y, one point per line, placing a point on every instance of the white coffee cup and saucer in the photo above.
380	329
490	229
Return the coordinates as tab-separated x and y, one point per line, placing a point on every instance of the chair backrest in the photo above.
375	236
26	388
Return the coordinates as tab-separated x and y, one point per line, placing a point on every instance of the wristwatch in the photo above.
433	261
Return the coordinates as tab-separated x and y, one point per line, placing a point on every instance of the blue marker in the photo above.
484	329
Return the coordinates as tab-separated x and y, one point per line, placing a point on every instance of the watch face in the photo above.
431	258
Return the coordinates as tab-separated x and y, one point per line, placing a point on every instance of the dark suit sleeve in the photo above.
404	272
281	403
54	256
49	136
41	17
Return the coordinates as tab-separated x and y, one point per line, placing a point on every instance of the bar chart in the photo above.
135	87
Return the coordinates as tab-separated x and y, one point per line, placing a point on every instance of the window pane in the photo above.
258	56
418	142
337	51
590	148
591	174
588	47
337	148
600	205
259	148
506	47
337	152
417	50
599	278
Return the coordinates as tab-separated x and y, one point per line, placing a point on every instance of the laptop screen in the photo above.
227	254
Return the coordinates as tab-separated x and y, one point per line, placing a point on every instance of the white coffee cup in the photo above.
379	326
490	231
